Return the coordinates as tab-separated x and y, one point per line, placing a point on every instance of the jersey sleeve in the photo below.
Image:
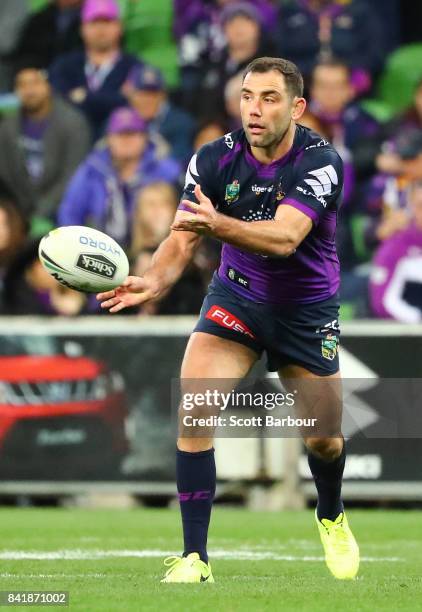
200	171
318	183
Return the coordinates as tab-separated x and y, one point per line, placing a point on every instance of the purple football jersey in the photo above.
309	178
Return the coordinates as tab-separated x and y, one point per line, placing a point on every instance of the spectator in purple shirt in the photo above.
104	190
386	196
396	279
93	79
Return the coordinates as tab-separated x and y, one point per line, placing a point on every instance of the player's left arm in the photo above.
302	208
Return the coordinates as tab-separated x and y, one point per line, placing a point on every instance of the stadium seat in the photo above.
397	83
148	27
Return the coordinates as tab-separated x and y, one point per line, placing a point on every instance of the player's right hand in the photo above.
135	290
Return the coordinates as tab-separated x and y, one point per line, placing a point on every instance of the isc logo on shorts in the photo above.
226	319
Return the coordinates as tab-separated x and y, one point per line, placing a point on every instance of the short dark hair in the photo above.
291	73
29	63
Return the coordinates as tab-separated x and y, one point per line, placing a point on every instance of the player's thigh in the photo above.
211	366
209	356
318	400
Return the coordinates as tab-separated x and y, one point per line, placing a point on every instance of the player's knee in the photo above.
325	448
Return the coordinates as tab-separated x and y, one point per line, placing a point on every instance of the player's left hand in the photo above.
204	217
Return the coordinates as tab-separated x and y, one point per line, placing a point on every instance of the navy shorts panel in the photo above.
309	337
226	315
305	334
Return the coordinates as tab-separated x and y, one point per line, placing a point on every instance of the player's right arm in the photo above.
174	253
167	266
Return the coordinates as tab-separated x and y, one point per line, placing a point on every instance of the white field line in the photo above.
91	555
19	576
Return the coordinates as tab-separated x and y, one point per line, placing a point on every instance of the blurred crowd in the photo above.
95	136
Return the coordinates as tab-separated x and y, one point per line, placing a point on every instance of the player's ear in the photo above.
298	108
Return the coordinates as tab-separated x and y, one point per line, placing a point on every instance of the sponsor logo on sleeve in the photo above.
321	143
323	180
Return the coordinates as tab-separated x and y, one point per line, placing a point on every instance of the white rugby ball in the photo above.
83	258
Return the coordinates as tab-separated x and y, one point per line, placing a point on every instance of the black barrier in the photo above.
98	405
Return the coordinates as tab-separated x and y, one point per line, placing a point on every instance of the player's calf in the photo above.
326	459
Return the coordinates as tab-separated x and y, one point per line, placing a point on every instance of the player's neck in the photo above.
267	155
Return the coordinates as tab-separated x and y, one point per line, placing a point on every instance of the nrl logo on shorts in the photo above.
232	192
97	264
329	347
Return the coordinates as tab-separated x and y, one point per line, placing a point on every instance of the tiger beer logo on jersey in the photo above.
232	192
226	319
259	189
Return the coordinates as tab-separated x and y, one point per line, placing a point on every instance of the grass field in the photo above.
112	560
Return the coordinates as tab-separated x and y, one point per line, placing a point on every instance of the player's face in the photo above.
266	108
32	89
